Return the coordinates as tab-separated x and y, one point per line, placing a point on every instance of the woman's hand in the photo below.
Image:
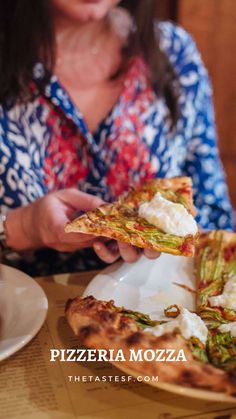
41	224
109	252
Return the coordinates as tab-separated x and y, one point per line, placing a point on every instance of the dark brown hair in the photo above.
27	36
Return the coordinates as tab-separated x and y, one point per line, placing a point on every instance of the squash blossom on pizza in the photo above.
157	216
215	270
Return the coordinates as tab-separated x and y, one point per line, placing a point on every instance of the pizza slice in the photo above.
158	216
102	325
215	271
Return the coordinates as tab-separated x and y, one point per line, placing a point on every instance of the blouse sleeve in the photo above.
202	161
204	166
20	159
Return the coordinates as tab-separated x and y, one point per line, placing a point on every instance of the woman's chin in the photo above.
89	15
85	11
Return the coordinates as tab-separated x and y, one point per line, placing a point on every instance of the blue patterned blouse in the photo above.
45	144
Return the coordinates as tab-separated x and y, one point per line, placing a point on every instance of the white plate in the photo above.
23	309
149	286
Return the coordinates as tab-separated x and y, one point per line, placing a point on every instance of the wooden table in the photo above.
33	387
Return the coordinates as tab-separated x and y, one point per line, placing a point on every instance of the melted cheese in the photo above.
168	216
189	325
228	327
228	298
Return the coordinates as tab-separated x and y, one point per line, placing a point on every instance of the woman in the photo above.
94	98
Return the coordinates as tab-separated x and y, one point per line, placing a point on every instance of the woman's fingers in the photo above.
109	252
79	200
151	254
128	252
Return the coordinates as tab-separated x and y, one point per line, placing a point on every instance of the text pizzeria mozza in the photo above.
111	355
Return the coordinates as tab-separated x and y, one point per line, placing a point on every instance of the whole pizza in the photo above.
192	349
